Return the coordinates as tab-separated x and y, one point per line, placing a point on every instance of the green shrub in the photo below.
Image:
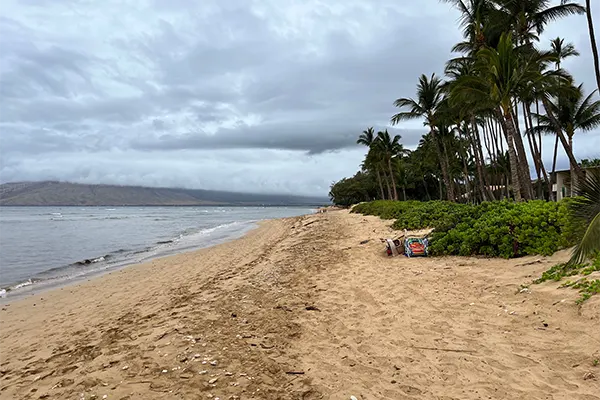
385	209
495	229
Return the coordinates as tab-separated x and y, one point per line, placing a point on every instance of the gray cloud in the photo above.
220	95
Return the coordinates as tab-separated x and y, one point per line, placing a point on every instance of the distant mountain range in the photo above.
52	193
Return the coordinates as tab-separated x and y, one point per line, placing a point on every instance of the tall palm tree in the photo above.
588	7
561	51
574	112
500	75
372	160
587	207
390	148
527	19
430	94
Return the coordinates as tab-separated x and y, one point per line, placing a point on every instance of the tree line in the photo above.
499	95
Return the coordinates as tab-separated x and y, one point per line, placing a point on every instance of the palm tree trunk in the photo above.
524	173
426	189
380	184
563	140
389	188
538	151
533	150
571	170
509	131
486	192
444	166
593	41
393	178
553	173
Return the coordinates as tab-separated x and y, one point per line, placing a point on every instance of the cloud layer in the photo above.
264	95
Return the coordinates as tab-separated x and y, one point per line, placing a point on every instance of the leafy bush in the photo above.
496	229
385	209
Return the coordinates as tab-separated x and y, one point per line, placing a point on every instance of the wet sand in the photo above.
300	309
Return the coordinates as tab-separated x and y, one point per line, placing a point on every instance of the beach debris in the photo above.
126	367
353	398
589	375
213	380
164	371
105	396
295	372
538	261
312	308
213	363
442	349
365	241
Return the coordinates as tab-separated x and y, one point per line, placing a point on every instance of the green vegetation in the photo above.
495	229
484	119
587	288
586	207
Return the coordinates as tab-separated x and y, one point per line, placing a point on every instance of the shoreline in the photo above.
305	307
44	286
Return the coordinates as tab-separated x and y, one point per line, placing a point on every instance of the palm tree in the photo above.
561	51
574	112
587	207
527	19
368	138
390	148
500	75
588	8
429	97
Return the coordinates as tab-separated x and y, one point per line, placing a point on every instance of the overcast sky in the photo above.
259	96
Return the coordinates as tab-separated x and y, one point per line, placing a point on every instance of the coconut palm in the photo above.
430	94
587	207
373	159
574	112
500	75
527	19
390	148
588	7
562	51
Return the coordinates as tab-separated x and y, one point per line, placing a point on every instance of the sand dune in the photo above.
299	309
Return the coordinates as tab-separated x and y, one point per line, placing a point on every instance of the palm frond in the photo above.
587	208
553	13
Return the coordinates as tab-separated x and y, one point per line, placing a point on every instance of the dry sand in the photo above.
300	309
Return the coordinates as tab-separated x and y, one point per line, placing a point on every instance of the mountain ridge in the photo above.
56	193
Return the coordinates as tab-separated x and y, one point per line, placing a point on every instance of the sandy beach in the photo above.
305	308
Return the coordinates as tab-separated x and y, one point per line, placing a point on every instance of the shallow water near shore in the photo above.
50	246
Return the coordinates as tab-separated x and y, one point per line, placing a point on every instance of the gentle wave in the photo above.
120	256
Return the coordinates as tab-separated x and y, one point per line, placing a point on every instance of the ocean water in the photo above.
46	246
